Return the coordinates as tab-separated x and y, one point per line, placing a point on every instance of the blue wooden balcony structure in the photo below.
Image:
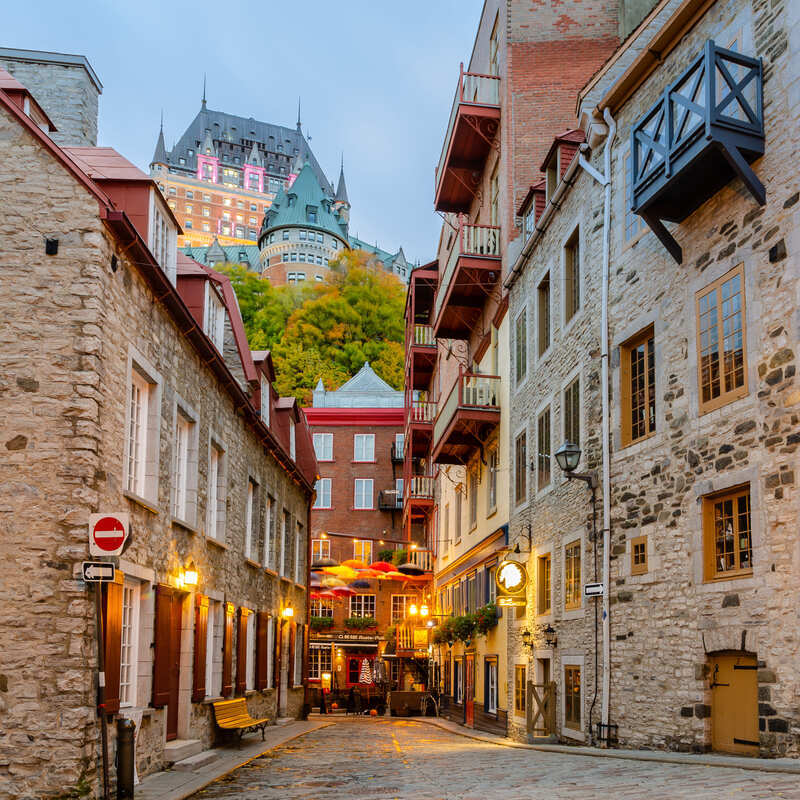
707	128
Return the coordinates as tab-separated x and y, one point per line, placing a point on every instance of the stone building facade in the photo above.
67	88
702	415
128	387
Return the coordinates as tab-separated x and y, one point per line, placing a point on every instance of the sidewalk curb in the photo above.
660	757
189	792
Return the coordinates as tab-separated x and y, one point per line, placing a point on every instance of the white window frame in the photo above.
217	490
360	549
358	604
399	443
292	440
364	447
270	650
323	489
568	539
407	600
162	237
491	481
323	606
286	525
250	516
212	621
298	550
214	317
185	462
265	398
142	435
323	446
250	650
269	525
491	668
129	642
521	371
366	484
320	548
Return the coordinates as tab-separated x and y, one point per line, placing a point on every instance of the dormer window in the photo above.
529	219
162	237
190	152
292	200
214	317
292	439
181	161
264	400
552	176
311	214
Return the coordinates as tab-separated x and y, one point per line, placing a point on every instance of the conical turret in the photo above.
160	154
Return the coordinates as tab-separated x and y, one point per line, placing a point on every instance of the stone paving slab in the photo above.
788	765
176	785
399	759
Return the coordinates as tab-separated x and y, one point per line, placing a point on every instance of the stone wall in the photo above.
665	623
70	326
64	89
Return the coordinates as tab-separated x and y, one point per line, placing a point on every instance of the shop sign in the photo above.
511	579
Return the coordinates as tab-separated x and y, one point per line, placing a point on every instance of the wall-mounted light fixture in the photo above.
189	576
550	636
527	639
288	612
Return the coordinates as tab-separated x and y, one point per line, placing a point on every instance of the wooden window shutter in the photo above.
486	686
241	652
276	672
112	631
227	652
291	655
262	623
200	635
304	671
163	646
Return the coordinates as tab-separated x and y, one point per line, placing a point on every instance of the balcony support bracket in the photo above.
475	124
663	236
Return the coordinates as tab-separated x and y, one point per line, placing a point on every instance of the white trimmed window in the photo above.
362	550
323	446
129	652
319	661
292	440
320	548
269	528
286	542
249	517
217	495
214	317
184	470
250	666
162	238
270	649
143	424
322	607
363	493
399	444
400	604
265	397
298	552
364	447
362	605
214	649
491	685
323	493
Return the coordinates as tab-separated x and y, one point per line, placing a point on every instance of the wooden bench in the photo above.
232	715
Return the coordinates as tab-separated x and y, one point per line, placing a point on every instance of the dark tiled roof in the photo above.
233	136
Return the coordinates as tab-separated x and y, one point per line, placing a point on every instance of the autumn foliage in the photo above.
325	331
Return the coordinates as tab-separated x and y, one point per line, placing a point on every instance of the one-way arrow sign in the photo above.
98	572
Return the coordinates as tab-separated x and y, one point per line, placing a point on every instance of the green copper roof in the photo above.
245	254
304	204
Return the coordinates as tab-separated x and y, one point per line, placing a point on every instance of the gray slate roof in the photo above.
364	390
231	254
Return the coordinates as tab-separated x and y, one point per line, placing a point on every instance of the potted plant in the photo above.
464	628
486	618
400	557
321	623
361	622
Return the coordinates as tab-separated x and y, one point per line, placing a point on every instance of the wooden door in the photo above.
734	703
541	708
469	690
166	663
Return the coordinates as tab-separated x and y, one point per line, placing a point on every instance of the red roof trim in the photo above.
355	417
575	136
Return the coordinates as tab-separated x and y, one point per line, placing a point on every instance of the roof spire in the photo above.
160	153
299	125
203	104
341	188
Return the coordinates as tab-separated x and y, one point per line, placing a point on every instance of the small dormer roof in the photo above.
572	139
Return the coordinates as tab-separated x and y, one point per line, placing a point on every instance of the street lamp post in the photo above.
568	457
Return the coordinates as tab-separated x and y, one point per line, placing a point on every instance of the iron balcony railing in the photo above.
390	500
481	241
473	89
397	453
470	391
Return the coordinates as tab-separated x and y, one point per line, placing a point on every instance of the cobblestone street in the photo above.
401	759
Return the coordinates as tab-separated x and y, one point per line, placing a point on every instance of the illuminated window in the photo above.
572	575
543	602
727	534
639	555
572	697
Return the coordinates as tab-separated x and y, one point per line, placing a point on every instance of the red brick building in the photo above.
358	438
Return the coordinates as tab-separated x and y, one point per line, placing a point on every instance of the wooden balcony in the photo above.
466	419
412	639
706	129
419	427
419	491
421	558
471	272
471	132
420	355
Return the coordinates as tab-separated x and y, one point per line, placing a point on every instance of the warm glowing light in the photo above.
430	623
380	541
324	535
423	610
288	612
412	609
413	547
510	575
190	575
326	676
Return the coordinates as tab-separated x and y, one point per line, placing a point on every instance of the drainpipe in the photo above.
605	181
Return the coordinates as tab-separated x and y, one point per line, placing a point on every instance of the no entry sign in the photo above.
108	533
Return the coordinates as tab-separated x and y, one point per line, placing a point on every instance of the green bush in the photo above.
361	622
386	555
321	623
400	557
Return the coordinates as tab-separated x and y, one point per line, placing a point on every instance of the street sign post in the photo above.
98	572
593	589
108	533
